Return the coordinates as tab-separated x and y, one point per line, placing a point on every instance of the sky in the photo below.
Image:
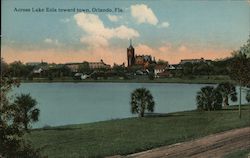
91	30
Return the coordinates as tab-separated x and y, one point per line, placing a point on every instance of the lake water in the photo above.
73	103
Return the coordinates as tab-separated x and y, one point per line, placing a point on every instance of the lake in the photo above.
73	103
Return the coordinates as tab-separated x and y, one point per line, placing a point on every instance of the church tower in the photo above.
131	54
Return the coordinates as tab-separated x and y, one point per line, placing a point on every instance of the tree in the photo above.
27	112
246	48
162	62
119	70
151	76
11	142
204	68
220	67
50	75
208	98
134	68
239	71
227	91
65	70
141	100
84	67
187	69
3	68
16	69
248	96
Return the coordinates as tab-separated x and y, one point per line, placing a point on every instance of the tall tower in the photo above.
131	54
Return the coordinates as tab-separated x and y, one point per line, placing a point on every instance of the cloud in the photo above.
91	24
182	48
143	14
163	52
95	29
165	47
48	40
66	20
144	49
95	41
164	25
51	41
124	32
113	18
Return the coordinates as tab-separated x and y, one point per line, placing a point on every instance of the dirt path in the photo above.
212	146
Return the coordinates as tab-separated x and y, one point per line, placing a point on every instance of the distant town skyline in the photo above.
167	30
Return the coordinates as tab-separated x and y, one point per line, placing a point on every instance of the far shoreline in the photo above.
158	80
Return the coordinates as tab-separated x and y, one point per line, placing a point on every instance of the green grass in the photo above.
239	154
131	135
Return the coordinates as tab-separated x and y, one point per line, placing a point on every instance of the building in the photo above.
131	55
142	60
99	65
161	70
36	63
193	61
175	67
74	67
33	63
38	70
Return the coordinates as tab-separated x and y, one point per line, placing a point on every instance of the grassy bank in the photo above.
194	80
134	134
239	154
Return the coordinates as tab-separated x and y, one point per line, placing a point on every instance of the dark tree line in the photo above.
24	71
218	67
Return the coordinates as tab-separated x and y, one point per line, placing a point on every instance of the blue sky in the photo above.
170	30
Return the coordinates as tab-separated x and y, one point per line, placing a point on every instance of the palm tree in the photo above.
208	98
26	110
141	100
227	91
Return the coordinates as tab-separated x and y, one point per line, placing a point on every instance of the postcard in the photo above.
107	78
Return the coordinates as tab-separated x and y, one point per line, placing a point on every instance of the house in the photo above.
81	76
38	70
142	72
174	67
171	67
159	69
